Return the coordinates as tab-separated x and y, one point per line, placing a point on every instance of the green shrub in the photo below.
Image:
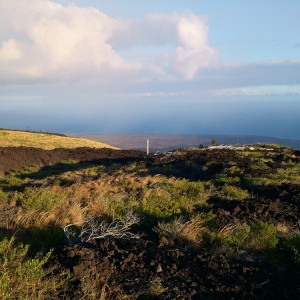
22	277
293	245
39	199
13	182
259	165
263	236
231	192
225	179
174	198
43	239
258	237
3	195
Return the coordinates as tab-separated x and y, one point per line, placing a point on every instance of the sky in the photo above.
137	66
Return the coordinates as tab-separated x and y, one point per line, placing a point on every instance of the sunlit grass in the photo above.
11	138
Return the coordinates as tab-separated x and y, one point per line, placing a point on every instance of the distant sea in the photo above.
167	142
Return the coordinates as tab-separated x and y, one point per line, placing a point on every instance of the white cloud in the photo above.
194	53
184	35
265	90
49	40
9	51
153	30
41	39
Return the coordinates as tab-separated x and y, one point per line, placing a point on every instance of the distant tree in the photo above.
214	142
201	146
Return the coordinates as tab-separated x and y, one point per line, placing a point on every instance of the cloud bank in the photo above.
264	90
44	40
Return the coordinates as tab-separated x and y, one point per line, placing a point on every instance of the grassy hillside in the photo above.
12	138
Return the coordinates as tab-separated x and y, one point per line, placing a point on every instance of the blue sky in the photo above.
195	66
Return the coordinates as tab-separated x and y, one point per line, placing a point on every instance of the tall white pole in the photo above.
148	144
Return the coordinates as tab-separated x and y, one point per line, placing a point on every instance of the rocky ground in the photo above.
146	269
153	267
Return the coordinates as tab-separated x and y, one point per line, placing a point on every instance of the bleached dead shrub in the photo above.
92	228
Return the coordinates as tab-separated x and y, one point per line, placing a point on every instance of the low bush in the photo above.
231	192
257	237
43	239
225	179
293	246
38	198
22	277
173	198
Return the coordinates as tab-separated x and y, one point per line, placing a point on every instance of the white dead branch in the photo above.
94	229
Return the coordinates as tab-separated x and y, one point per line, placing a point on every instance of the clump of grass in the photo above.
180	231
22	277
155	287
172	198
38	198
259	165
257	237
225	179
13	182
231	192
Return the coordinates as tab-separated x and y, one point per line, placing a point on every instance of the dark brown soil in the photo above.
267	210
143	269
16	158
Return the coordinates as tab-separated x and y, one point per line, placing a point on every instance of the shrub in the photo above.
3	195
225	179
38	198
263	236
259	165
293	245
214	142
231	192
43	239
258	237
22	277
174	198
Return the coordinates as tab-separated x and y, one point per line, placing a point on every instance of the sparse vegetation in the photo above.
191	210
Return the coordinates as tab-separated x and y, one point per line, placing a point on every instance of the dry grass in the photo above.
59	216
11	138
184	232
81	201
